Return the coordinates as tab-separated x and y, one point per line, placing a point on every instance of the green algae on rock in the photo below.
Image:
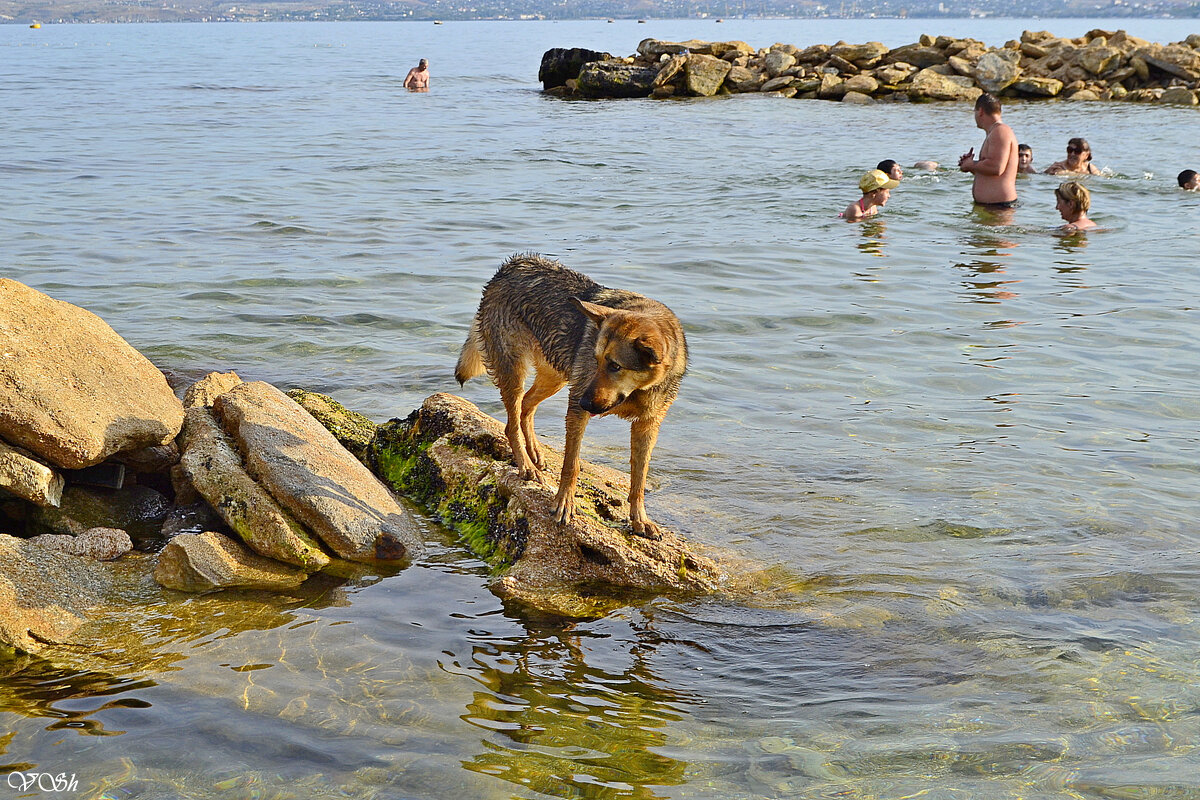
351	428
454	459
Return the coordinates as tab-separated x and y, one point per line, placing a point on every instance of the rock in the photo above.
857	97
814	54
213	466
205	561
786	91
206	390
351	429
1084	94
1037	87
1037	36
663	92
996	70
1140	67
185	493
100	544
930	85
703	75
667	72
729	50
26	477
455	460
616	79
1099	60
832	87
916	55
1115	92
1033	50
895	73
150	460
775	84
653	48
72	391
45	594
961	66
1178	95
809	83
861	84
562	64
741	79
1173	59
304	468
139	510
1145	95
196	517
777	61
856	53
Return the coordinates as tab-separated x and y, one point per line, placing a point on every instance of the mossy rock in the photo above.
352	429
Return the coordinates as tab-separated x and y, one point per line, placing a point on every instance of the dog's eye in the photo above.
614	367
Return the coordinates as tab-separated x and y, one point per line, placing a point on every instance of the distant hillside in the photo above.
50	11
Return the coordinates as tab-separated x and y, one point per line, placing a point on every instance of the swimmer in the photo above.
1078	160
927	165
995	171
417	79
1189	180
876	188
891	169
1025	160
1073	203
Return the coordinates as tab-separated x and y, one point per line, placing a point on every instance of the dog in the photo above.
621	353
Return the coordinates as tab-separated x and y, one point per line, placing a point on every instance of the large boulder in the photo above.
214	467
561	64
455	460
45	594
670	68
929	84
996	70
308	472
743	79
703	75
654	48
776	61
917	55
1173	59
206	561
616	79
1098	60
860	54
1178	95
861	84
72	391
29	478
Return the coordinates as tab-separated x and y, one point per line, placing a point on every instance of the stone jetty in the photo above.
1100	65
242	485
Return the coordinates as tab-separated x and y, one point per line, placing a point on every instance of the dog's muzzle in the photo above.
590	405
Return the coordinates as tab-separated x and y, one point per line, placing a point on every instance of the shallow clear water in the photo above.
965	452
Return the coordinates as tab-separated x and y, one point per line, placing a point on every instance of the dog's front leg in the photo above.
643	433
577	420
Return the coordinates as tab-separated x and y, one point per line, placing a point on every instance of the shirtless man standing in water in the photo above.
995	170
417	79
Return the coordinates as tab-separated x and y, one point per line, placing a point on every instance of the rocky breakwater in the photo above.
1100	65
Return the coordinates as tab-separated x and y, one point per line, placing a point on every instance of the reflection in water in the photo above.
874	230
564	727
989	252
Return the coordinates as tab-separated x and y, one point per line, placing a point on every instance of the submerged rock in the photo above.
455	459
101	544
209	560
45	594
72	391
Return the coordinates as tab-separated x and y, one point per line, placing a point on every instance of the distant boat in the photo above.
437	22
641	22
36	25
610	20
720	20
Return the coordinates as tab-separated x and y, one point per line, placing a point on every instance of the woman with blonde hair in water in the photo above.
1073	203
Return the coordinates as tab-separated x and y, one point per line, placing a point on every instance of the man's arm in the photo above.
994	155
408	79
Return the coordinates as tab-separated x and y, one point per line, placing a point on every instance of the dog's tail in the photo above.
470	359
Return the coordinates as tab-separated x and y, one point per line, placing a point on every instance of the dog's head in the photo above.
634	351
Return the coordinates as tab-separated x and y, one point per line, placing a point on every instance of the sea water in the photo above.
958	453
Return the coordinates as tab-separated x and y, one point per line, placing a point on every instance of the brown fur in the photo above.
621	353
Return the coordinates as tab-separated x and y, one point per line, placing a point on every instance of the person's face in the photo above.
1077	152
1194	184
896	173
882	196
1024	159
1066	209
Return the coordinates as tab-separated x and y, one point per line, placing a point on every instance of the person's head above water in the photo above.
1189	179
891	168
1074	200
1025	158
875	180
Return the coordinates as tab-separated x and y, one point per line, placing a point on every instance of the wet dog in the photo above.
621	353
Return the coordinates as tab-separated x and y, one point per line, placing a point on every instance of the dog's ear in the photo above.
595	313
649	351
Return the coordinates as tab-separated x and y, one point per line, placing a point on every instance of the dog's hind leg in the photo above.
545	384
643	433
511	383
564	501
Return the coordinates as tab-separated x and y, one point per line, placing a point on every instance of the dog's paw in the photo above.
564	511
646	529
535	455
533	474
